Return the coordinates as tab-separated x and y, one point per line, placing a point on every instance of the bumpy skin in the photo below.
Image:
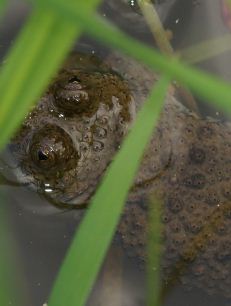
68	139
188	163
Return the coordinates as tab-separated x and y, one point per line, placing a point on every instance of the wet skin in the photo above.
70	137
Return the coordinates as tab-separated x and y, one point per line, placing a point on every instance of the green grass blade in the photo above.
206	49
205	85
156	27
33	60
229	3
30	66
95	233
2	6
154	251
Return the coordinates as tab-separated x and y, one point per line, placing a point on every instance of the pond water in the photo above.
43	232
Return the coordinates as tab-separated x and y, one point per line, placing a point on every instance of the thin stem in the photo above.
160	36
152	18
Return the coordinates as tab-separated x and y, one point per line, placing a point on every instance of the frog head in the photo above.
68	139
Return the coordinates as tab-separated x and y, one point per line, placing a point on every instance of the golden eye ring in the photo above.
52	150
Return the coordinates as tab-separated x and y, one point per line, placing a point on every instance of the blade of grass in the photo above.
154	251
2	6
206	49
205	85
155	25
191	55
97	229
25	67
228	2
33	60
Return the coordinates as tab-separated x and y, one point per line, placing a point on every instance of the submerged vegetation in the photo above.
38	53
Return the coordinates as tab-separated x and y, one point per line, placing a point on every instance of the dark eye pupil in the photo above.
42	156
74	79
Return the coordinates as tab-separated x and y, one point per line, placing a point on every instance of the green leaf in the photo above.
228	2
95	233
35	57
205	85
155	25
206	49
2	6
30	66
154	251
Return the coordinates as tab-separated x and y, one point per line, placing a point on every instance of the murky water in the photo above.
44	232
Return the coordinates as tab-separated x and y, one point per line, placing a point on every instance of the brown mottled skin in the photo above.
71	136
68	139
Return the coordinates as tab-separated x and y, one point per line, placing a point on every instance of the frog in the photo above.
73	131
71	136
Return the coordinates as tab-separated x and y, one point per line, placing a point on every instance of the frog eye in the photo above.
71	94
52	150
79	92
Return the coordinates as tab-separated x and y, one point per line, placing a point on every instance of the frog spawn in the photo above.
69	138
195	189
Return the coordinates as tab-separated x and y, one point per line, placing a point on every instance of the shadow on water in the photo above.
43	232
